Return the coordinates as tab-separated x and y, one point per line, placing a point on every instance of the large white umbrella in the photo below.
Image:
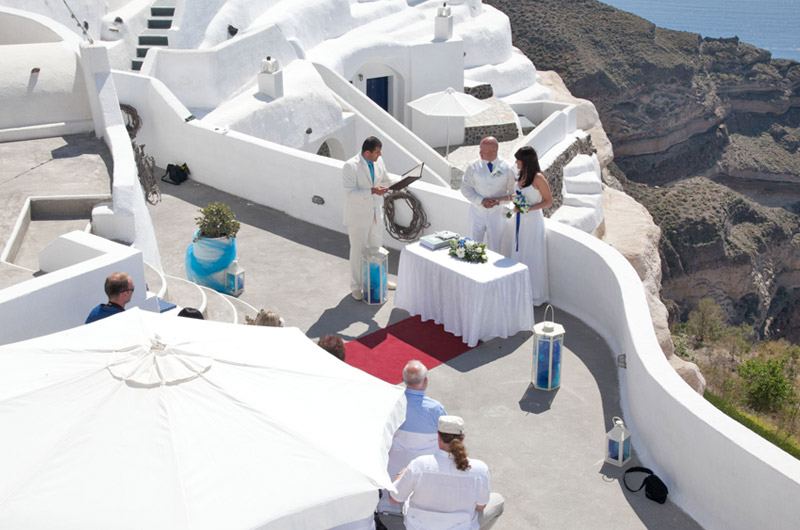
150	421
448	103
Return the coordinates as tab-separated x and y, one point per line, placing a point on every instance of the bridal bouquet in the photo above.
518	204
468	250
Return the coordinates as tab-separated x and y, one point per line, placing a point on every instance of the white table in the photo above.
474	301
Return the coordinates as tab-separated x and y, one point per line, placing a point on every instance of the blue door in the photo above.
378	91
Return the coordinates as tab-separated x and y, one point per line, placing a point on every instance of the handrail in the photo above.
439	167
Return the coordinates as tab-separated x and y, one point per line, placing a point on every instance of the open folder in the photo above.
408	177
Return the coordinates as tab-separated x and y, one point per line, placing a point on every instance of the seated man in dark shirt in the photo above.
119	288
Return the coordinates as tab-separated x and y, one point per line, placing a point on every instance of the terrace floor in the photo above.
544	449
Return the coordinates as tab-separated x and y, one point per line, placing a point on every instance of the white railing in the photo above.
386	122
718	471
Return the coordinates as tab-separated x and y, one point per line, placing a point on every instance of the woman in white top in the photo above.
447	490
528	245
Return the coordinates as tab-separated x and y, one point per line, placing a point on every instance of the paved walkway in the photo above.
544	449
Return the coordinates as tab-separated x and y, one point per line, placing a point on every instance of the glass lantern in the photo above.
618	446
234	279
548	340
375	274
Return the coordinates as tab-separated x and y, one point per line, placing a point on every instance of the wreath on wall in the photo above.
419	221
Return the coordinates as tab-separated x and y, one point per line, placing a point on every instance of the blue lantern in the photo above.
618	443
234	279
548	341
375	274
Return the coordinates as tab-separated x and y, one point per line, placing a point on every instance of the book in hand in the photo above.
412	175
437	240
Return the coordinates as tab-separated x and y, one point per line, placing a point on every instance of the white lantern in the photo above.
234	279
548	340
375	274
618	443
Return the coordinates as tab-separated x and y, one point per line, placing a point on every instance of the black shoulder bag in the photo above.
176	174
654	487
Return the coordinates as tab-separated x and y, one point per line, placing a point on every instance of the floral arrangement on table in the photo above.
519	204
468	250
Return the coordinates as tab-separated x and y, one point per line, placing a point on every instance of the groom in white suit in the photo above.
365	182
486	180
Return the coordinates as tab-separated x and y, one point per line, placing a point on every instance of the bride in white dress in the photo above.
528	245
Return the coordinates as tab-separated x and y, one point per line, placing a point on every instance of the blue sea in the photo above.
770	24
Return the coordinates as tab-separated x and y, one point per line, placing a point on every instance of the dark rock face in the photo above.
661	94
677	106
717	243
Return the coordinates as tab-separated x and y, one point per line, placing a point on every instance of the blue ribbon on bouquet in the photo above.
516	237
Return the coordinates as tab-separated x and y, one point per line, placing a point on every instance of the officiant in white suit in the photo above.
365	182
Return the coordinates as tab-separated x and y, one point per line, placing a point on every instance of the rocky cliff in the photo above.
675	107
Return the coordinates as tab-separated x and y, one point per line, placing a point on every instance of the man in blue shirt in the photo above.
119	289
418	435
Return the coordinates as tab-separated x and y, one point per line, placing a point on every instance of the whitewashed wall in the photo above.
205	78
292	179
63	299
402	138
128	219
49	102
719	472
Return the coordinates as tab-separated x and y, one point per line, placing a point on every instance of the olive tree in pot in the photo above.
211	257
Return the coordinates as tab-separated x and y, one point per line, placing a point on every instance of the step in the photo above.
242	309
11	274
583	183
163	8
141	51
582	164
589	200
153	37
155	280
218	308
185	293
499	120
526	125
583	218
155	22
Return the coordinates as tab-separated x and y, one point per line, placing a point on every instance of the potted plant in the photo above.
216	220
212	252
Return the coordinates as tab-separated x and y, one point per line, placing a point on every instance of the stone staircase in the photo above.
582	204
155	36
183	293
499	120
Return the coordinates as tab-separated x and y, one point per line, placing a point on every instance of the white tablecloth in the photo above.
474	301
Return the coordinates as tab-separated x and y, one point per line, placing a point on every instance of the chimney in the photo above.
443	24
270	78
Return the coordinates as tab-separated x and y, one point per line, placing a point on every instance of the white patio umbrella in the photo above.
151	421
448	103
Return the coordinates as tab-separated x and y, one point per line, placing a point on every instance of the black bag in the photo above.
653	486
176	173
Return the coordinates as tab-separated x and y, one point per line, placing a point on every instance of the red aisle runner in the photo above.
385	352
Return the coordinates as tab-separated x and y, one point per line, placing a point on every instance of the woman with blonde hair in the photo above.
266	318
